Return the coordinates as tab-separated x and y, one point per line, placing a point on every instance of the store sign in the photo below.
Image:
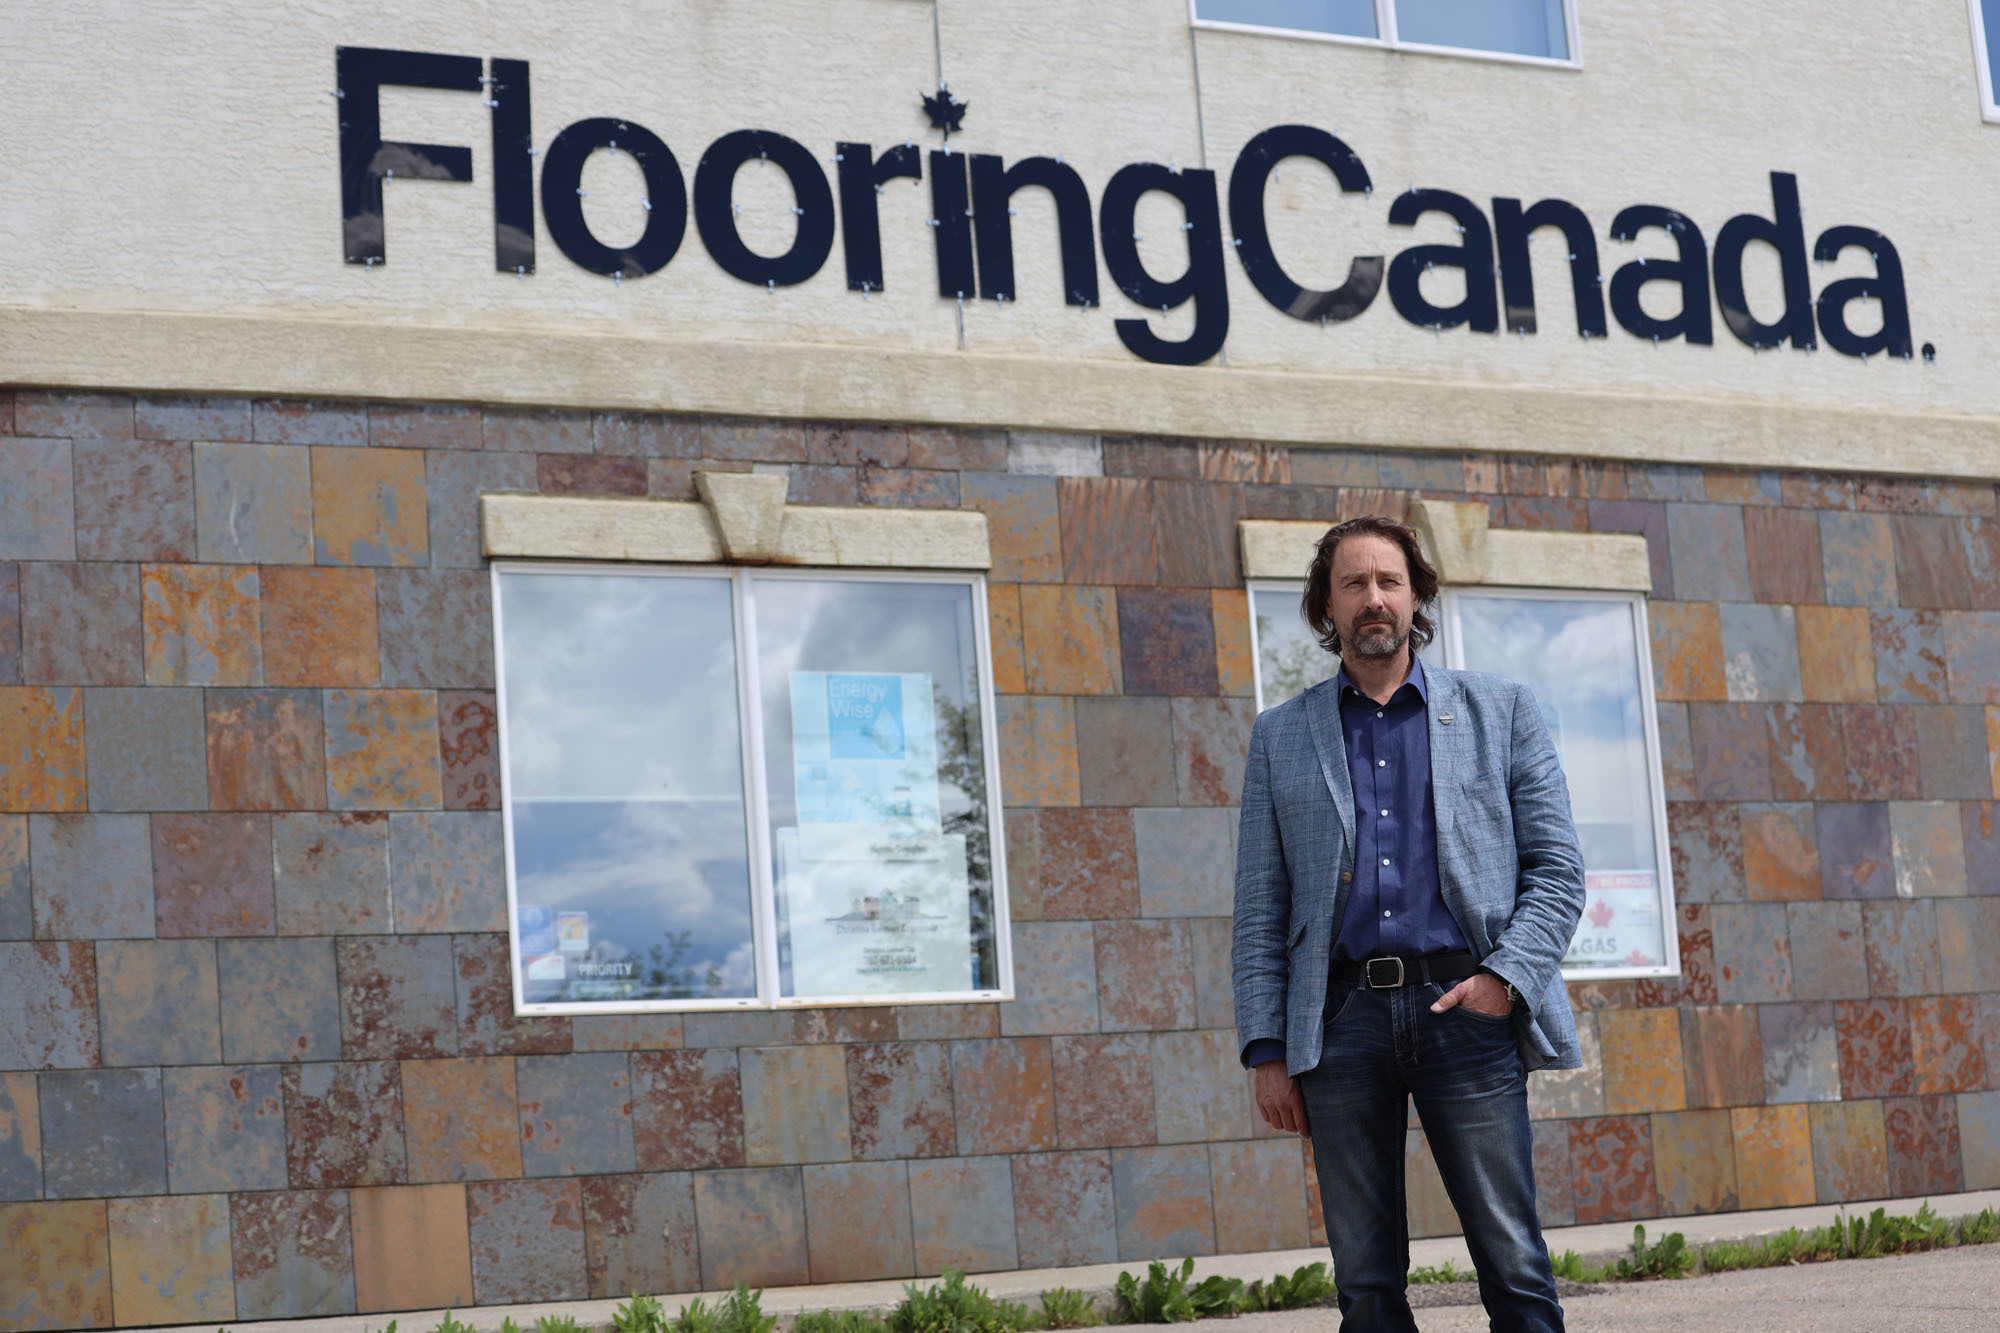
973	239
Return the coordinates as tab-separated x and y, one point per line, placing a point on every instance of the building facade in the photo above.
329	318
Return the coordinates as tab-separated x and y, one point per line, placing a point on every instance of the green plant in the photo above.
641	1314
508	1325
838	1321
1307	1286
450	1325
557	1323
1570	1265
741	1311
950	1306
1063	1308
1670	1258
1444	1272
1166	1298
1982	1228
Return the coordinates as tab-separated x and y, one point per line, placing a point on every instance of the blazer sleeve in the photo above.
1260	963
1549	889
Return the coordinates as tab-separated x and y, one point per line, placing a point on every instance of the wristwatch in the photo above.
1513	996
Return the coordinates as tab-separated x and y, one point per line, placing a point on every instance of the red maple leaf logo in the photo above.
1637	958
1600	914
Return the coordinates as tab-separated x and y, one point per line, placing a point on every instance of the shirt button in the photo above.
1385	860
1381	763
1388	913
1378	712
1385	814
1346	878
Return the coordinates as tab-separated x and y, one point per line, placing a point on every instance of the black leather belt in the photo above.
1390	972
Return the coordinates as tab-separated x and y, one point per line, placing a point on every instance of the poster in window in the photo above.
1621	921
876	894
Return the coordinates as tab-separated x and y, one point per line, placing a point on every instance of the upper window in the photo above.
1522	29
1584	656
1986	53
727	788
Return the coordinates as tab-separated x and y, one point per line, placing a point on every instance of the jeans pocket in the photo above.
1478	1017
1339	1002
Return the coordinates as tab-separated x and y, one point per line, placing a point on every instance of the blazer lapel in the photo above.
1323	719
1449	731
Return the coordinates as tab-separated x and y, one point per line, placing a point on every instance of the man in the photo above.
1407	880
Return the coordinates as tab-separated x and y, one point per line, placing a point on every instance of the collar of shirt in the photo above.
1346	685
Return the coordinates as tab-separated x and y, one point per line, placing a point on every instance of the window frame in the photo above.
757	823
1989	108
1451	639
1388	40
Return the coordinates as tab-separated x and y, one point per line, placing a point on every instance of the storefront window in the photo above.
1529	29
738	789
1584	656
1986	54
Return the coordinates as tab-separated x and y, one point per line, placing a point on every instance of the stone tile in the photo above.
201	625
753	1227
1829	954
158	1002
300	421
1687	650
1214	996
1710	561
1875	1057
280	1000
1162	1198
1892	495
1930	561
320	627
344	1125
38	508
1705	842
1808	753
331	873
1055	980
1696	984
1125	751
1107	531
752	440
212	875
469	749
1979	1139
412	1248
946	1022
1724	1055
1945	1046
1752	953
1104	1092
20	1138
1909	656
1642	1061
103	1133
1038	751
1694	1162
1952	759
962	1214
1760	653
1965	927
59	1269
1555	1198
1023	524
1773	1150
462	1119
1739	486
795	1105
1054	454
50	989
575	1114
397	997
1165	638
447	872
1024	864
737	1028
958	449
253	504
527	1241
1330	465
1859	556
1676	751
1612	1158
266	750
454	482
1064	1209
1648	518
906	489
81	625
1732	751
1922	1134
382	750
145	749
1003	611
92	876
178	417
639	1234
225	1129
488	1025
1979	827
1562	1094
1972	656
134	500
1211	740
1144	976
1546	514
1194	533
582	474
292	1254
1003	1094
899	1101
1780	856
838	1193
1929	849
1856	852
1205	1093
1836	656
1088	864
687	1109
1259	1200
537	430
1070	637
1186	861
436	628
1229	612
170	1260
1431	473
1783	550
10	624
369	507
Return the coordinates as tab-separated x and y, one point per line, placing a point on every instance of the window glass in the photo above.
1347	18
624	779
875	778
1517	27
1581	659
1989	22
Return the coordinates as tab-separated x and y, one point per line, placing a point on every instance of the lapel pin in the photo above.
1444	719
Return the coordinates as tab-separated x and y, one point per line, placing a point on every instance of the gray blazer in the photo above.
1508	861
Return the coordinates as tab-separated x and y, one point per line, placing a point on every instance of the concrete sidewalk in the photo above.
1594	1243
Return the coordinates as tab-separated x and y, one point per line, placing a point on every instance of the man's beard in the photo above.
1377	641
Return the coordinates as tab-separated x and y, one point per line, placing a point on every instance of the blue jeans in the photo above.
1382	1048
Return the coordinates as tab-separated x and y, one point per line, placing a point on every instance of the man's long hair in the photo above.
1319	578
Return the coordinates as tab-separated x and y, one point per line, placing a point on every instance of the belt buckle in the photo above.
1368	973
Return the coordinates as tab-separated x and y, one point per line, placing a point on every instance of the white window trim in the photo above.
763	888
1385	24
1989	110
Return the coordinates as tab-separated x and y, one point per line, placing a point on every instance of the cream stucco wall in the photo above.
170	217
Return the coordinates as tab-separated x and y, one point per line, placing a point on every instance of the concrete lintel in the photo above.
576	527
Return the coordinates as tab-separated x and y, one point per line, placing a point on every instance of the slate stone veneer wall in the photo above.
257	1055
